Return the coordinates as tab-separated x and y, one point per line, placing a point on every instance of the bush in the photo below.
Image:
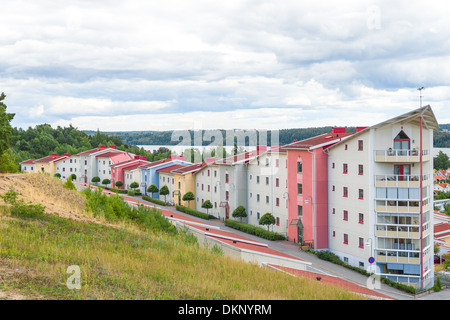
121	191
257	231
195	213
160	202
19	207
69	184
114	208
131	193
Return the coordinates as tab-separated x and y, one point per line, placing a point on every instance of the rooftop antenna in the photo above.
420	90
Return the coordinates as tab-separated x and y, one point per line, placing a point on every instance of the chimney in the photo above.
112	146
66	154
102	146
137	157
338	130
54	154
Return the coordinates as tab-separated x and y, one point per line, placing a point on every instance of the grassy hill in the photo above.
122	258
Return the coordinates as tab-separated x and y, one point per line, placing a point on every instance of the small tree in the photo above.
188	196
95	179
207	205
152	189
164	191
57	175
239	212
119	184
73	176
134	185
106	182
267	219
69	184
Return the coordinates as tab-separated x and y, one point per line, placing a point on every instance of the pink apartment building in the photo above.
307	166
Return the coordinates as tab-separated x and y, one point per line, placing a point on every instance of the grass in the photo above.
132	261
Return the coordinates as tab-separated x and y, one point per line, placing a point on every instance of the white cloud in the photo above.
232	60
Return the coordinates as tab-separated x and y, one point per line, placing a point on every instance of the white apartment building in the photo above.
208	187
380	198
267	189
68	166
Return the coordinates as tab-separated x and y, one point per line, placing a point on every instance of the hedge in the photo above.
257	231
160	202
195	213
119	190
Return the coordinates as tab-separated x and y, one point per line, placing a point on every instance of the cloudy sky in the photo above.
164	65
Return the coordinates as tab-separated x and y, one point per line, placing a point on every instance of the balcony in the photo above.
401	155
398	231
391	206
398	256
402	181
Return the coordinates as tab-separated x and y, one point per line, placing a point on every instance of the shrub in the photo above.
257	231
122	191
195	213
131	193
160	202
19	207
69	184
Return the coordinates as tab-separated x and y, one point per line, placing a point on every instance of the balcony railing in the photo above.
401	155
401	206
398	256
403	181
398	231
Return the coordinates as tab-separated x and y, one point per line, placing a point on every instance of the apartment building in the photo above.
184	181
68	166
307	180
267	188
150	175
120	171
208	187
232	173
166	178
380	198
48	164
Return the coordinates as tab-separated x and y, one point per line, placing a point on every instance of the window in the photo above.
277	182
334	210
257	197
267	199
334	234
209	188
277	162
215	173
267	180
299	167
300	188
361	194
332	165
345	168
345	215
334	188
208	172
345	192
360	169
257	179
345	238
361	242
361	218
202	186
226	178
278	221
360	145
227	195
277	202
346	147
300	211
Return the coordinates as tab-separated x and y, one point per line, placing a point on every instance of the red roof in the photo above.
109	154
50	158
315	141
29	161
152	164
170	168
194	168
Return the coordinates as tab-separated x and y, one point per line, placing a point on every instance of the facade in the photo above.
307	167
380	198
207	187
28	166
184	181
149	174
232	173
68	166
47	164
268	189
166	178
120	171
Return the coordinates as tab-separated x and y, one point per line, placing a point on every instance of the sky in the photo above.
165	65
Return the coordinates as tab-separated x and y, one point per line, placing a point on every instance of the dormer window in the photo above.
402	143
